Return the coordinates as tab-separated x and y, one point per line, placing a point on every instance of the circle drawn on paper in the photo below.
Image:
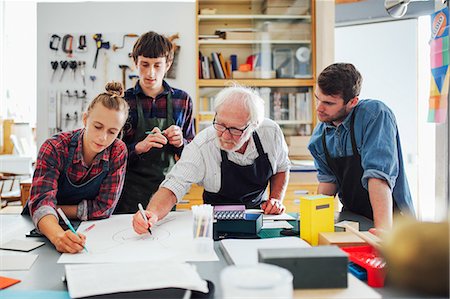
128	234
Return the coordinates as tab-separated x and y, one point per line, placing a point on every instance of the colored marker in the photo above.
141	209
151	133
89	228
67	222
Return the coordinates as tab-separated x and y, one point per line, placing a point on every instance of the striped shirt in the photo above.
200	162
50	164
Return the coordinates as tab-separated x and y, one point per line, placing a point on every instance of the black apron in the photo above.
242	184
143	178
349	172
70	193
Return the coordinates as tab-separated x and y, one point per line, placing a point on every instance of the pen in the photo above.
67	222
141	209
151	133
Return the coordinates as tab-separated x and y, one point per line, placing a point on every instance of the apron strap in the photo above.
72	146
352	132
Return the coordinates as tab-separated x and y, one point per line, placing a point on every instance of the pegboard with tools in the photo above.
79	67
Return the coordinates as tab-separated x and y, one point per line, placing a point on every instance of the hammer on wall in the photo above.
124	68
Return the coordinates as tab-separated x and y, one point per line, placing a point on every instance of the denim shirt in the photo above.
378	143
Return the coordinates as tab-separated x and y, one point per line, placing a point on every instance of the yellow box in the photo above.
316	216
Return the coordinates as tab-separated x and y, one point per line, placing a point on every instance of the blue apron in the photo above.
242	184
70	193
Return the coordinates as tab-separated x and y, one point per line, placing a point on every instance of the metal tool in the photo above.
130	35
100	44
64	64
93	78
82	47
73	67
67	44
124	68
133	78
82	67
81	96
54	42
54	65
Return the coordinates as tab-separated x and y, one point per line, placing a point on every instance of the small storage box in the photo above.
318	267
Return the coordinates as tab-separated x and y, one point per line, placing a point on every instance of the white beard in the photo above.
244	138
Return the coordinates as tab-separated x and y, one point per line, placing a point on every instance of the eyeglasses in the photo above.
233	131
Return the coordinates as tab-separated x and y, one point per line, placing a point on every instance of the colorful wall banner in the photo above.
440	76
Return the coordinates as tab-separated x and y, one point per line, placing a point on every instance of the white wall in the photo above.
112	19
386	55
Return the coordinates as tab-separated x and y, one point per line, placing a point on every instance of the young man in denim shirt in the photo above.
356	148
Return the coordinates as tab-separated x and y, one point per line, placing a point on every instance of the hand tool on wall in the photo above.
81	96
73	67
93	78
130	35
124	68
82	67
82	47
67	44
54	42
100	44
64	64
54	65
133	78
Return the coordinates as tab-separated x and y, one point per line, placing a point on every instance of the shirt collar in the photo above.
78	155
139	91
346	123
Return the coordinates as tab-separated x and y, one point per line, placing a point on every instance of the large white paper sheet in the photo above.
90	280
113	240
17	262
245	252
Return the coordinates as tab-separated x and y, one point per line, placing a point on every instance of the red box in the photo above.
368	258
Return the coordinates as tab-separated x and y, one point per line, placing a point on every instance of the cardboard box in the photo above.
316	216
341	239
313	268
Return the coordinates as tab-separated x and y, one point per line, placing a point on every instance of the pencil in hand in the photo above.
141	209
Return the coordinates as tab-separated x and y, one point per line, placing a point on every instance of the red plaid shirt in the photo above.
50	165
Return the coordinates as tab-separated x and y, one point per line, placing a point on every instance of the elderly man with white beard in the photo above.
234	160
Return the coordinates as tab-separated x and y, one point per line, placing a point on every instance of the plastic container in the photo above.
256	281
368	258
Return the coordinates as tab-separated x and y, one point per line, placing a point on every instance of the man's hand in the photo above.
140	225
273	206
174	135
67	241
155	139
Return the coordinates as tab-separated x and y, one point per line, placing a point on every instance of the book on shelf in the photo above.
205	67
264	92
223	66
218	71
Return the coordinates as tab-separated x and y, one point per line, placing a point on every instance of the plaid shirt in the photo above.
157	107
50	166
